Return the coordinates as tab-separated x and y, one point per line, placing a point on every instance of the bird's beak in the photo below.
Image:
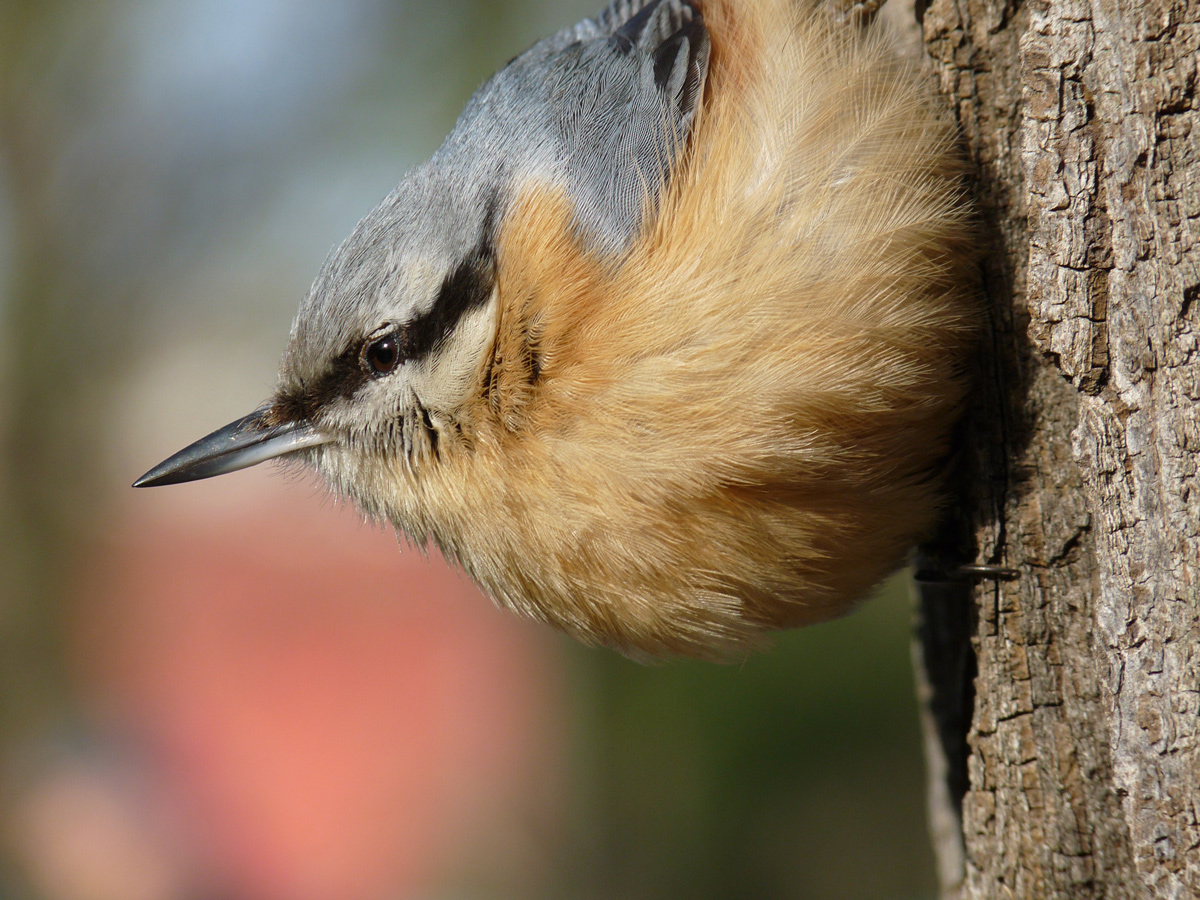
248	441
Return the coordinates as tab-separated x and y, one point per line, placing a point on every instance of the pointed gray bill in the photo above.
246	442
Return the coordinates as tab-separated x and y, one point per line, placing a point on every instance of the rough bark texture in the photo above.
1082	752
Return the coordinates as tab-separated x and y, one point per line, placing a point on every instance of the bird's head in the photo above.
386	349
392	341
388	346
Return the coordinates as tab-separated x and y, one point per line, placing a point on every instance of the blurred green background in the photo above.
172	173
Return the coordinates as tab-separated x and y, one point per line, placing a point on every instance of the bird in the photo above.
667	342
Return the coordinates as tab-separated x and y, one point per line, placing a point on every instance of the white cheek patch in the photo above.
448	378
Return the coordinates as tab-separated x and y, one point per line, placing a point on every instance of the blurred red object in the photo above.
334	718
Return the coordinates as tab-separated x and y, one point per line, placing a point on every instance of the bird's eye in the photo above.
382	355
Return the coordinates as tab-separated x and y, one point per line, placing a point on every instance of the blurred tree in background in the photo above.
171	175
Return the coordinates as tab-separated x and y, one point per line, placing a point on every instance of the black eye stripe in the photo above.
467	288
464	290
343	378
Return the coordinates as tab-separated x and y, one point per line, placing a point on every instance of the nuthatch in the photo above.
665	344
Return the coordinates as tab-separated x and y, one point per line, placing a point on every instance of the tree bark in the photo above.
1081	759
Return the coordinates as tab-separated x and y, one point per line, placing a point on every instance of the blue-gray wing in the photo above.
623	101
605	23
603	108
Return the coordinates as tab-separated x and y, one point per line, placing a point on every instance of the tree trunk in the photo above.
1079	775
